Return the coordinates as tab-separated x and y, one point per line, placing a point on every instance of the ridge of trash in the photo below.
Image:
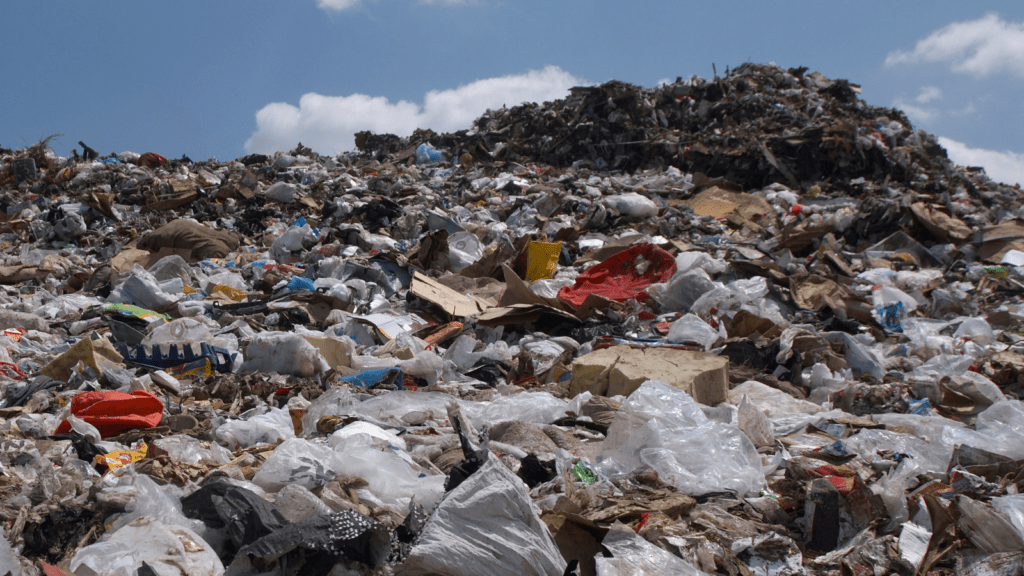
746	325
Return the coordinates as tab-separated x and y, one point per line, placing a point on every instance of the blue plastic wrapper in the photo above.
378	377
427	154
300	283
892	316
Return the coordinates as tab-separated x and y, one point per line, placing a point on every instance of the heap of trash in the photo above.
743	326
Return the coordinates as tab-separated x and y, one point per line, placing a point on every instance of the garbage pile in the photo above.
747	325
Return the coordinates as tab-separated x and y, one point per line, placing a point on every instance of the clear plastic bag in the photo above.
297	461
634	556
691	328
680	293
284	353
191	450
753	422
664	428
1013	507
393	481
167	549
265	428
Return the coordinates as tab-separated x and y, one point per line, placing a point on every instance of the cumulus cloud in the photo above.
917	114
982	47
1006	167
928	93
328	124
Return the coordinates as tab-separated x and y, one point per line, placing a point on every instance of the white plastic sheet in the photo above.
664	428
486	525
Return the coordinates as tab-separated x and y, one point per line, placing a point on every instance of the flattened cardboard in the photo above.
945	227
455	304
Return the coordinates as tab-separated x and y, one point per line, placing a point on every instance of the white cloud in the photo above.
982	47
1006	167
928	93
327	124
917	114
342	5
337	5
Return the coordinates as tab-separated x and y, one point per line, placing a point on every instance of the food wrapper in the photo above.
121	458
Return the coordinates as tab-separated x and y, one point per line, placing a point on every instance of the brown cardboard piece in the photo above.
95	353
739	208
334	351
815	292
1000	239
521	314
621	370
945	227
455	304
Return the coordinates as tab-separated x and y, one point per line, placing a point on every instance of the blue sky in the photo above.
223	78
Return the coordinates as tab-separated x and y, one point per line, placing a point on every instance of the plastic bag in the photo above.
536	407
141	289
191	450
282	192
634	556
892	489
488	516
167	549
297	461
284	353
753	422
1013	507
680	293
393	481
268	428
664	428
691	328
632	204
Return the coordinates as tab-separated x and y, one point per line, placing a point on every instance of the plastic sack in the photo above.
632	204
664	428
694	261
8	560
284	353
161	503
536	407
892	489
296	461
753	422
361	432
393	481
1013	507
731	296
999	429
191	450
427	154
680	293
141	289
294	239
691	328
489	516
282	192
268	428
623	276
296	502
634	556
464	248
114	412
168	550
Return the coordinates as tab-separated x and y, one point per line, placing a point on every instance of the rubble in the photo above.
744	325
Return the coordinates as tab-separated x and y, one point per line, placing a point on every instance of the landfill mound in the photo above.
747	325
